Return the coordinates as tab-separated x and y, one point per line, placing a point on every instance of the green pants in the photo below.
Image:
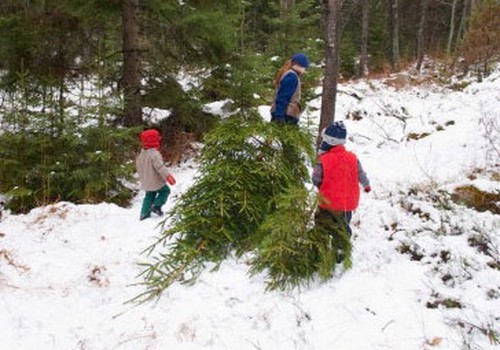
154	199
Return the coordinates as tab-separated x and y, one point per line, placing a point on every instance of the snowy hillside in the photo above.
425	275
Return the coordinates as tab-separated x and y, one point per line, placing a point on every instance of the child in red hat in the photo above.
152	174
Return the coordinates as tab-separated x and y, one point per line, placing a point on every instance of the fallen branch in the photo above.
6	255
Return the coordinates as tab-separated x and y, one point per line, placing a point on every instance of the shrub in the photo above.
81	165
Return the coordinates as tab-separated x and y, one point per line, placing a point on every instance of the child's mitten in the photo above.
171	180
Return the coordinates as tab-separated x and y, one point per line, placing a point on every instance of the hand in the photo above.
171	180
368	189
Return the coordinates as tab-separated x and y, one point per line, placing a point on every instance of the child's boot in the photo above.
157	210
145	216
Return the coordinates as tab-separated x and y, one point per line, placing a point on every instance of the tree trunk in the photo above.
422	29
363	59
132	113
474	4
332	47
461	28
285	7
393	19
452	27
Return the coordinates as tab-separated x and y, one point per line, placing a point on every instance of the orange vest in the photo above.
339	189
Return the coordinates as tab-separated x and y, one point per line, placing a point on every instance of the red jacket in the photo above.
339	190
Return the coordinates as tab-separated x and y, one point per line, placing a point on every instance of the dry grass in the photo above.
473	197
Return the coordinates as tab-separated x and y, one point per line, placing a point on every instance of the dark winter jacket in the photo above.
286	103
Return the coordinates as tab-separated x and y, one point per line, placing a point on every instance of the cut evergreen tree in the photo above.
250	197
291	251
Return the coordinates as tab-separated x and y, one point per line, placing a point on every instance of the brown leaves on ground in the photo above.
434	341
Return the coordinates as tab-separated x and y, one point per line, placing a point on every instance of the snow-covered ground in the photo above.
425	275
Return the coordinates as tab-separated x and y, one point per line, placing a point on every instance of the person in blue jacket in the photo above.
286	105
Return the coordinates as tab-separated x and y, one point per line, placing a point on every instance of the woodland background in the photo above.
80	78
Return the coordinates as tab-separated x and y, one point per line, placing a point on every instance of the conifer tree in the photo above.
249	197
242	170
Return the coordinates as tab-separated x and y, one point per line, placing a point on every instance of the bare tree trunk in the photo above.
452	26
285	7
363	59
461	28
422	29
474	4
132	114
332	28
393	16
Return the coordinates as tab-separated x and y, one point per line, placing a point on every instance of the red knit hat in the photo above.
150	138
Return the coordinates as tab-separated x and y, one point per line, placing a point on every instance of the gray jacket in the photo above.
152	171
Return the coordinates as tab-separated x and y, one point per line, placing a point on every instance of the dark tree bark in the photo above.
393	21
422	29
132	114
332	9
363	59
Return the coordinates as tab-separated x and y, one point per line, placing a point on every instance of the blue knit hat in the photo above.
333	135
301	59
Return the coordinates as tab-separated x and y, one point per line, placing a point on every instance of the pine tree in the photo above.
249	195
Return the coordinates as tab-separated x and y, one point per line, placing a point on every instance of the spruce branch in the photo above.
249	197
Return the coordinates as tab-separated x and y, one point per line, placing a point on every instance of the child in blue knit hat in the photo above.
286	105
337	174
